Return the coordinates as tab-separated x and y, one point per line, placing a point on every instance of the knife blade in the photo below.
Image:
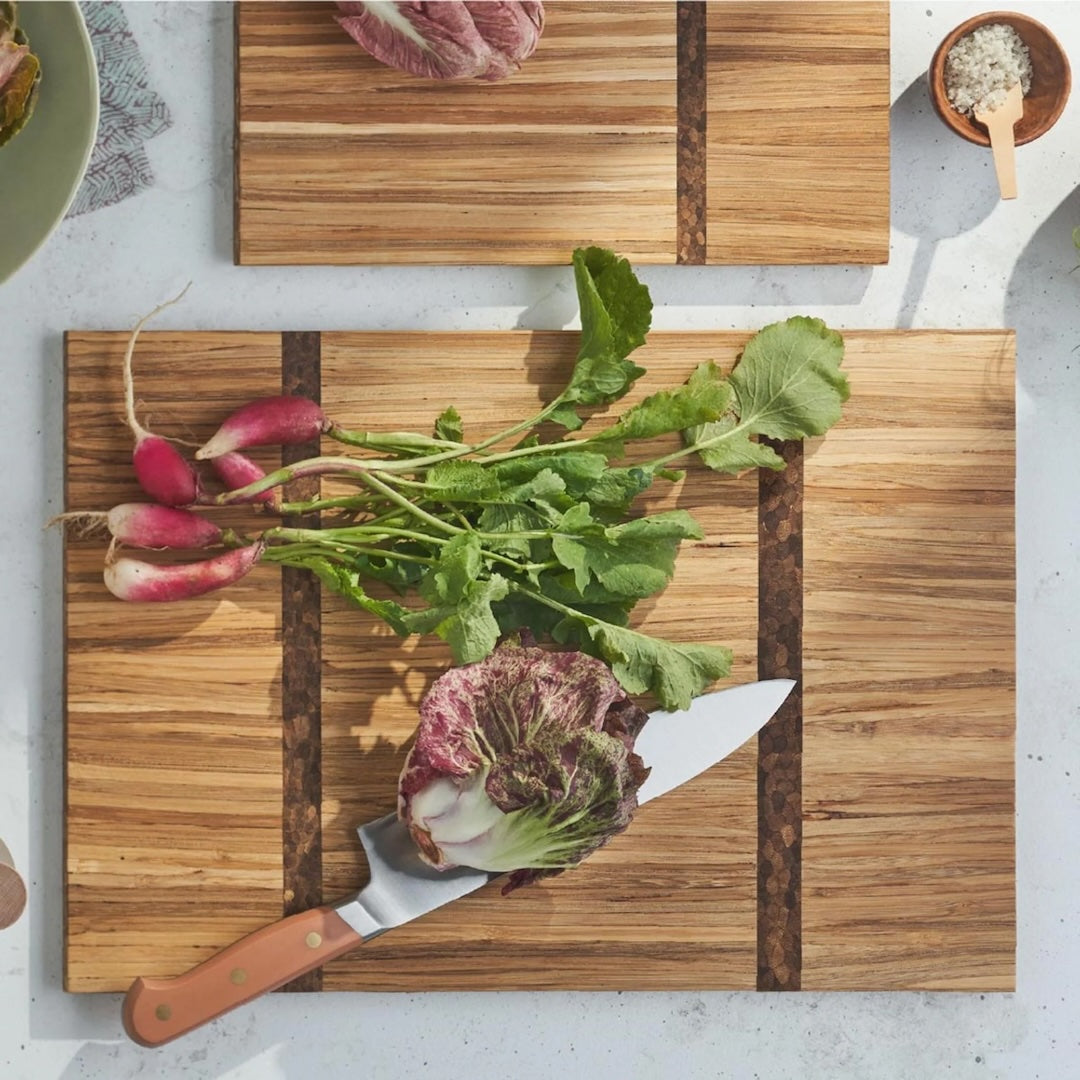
676	746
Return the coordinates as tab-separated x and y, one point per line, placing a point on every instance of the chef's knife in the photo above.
676	746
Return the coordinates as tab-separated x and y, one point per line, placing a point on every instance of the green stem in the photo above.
292	554
415	485
318	466
329	542
389	519
496	556
525	425
553	604
465	524
541	448
705	444
286	552
363	469
393	441
462	449
660	462
347	534
340	502
379	485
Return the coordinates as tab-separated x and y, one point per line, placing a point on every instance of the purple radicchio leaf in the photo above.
446	39
11	56
523	763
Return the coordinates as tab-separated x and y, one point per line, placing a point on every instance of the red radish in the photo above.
162	471
132	579
237	471
271	421
148	525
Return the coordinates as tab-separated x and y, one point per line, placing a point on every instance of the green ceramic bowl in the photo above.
40	169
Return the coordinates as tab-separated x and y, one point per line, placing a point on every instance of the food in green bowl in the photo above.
20	74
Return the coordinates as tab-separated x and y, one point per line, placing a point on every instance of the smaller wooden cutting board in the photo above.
726	132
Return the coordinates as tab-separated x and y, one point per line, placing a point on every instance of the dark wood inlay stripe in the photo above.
780	607
301	684
690	160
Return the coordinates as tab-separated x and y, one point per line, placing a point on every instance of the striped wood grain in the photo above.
173	721
909	672
340	159
174	785
604	137
798	145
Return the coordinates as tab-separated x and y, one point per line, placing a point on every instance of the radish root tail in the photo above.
129	384
81	522
171	438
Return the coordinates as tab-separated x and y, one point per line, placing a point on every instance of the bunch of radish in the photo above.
176	519
170	522
539	526
165	474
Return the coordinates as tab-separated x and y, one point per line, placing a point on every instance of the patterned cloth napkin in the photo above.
131	113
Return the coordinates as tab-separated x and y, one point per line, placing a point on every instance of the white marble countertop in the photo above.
959	258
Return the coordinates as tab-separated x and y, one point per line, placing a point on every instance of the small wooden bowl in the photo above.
1051	79
12	890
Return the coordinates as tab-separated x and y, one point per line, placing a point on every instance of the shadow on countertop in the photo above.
942	186
1042	303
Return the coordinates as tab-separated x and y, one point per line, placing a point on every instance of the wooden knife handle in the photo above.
159	1010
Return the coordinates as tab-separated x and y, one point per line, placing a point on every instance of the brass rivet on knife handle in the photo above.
156	1011
780	607
690	158
301	679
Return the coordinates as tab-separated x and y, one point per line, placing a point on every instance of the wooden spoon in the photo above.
999	124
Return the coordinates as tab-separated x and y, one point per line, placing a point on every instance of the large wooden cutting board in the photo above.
727	132
221	752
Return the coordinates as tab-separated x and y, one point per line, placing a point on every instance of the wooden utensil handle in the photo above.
159	1010
1003	144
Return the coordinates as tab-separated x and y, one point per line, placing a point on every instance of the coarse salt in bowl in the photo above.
981	58
984	65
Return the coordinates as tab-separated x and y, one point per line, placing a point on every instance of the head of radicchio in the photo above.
523	763
448	39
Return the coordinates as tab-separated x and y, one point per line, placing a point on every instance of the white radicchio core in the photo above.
524	763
